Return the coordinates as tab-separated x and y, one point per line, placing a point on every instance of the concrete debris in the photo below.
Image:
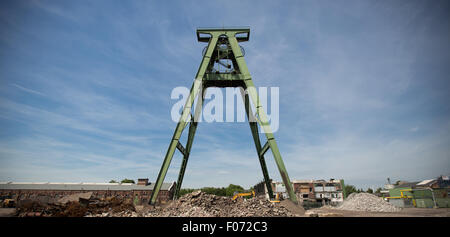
74	198
367	202
80	208
126	213
200	204
196	204
318	213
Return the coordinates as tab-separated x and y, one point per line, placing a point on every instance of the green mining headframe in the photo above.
223	65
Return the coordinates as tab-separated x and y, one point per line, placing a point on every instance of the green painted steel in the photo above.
223	45
255	134
424	203
192	129
443	202
344	192
397	192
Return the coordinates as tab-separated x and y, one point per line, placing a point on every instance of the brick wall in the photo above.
143	196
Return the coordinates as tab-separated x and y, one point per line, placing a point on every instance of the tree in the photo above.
369	190
215	191
378	190
130	181
350	189
232	188
112	181
228	191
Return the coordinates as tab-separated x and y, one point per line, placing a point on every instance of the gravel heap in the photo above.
200	204
196	204
367	202
69	207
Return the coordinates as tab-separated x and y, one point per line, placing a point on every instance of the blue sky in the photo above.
85	89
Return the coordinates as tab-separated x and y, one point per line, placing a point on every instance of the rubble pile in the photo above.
367	202
69	207
196	204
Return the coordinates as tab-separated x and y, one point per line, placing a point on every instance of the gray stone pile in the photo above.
367	202
200	204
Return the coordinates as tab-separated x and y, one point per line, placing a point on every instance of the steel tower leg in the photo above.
255	134
192	129
174	142
197	85
261	117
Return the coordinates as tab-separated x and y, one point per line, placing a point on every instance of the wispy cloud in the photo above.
28	90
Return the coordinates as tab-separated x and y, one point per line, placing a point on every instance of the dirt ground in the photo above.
5	212
329	212
405	212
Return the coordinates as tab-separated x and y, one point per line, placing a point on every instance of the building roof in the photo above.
426	182
81	186
302	181
315	181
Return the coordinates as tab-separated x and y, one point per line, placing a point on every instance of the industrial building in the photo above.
431	193
318	191
48	192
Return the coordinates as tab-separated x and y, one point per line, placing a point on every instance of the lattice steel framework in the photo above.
223	50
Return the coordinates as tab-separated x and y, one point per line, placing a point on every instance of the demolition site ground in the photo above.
200	204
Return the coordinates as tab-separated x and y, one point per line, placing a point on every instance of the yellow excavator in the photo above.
277	199
252	193
236	195
9	202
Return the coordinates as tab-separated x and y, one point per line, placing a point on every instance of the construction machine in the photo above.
8	202
277	198
236	195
